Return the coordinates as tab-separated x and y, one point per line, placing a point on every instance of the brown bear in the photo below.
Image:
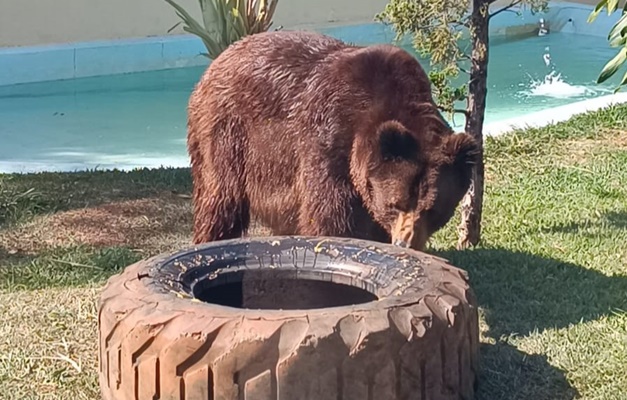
313	136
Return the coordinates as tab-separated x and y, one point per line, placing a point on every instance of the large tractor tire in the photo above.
289	318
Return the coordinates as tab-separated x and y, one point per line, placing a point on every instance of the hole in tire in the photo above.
259	290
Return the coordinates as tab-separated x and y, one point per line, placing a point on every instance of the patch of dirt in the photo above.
617	139
581	150
146	224
149	226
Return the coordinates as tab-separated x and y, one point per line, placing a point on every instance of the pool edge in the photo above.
553	115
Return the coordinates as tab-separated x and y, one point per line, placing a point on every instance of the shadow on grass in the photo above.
507	373
8	257
28	195
615	220
523	292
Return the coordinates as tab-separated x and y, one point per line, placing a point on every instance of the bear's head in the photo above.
412	183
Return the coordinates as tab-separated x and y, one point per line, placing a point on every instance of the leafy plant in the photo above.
226	21
617	38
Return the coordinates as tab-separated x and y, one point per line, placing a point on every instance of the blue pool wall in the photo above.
87	59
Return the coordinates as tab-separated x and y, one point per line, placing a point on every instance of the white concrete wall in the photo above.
24	22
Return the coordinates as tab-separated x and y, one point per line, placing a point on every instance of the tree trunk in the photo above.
469	229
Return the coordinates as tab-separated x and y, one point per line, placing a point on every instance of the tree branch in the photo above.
506	8
464	22
454	110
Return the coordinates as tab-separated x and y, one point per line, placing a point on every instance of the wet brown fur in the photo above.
317	137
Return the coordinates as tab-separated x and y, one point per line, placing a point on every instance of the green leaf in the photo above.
619	29
210	44
174	26
595	13
613	65
618	41
611	6
193	27
241	8
622	84
213	19
184	15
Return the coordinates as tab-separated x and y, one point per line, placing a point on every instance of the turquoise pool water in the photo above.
138	120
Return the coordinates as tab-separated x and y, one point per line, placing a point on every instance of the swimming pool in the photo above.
138	119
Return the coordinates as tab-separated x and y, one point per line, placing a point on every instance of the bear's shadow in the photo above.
507	373
521	293
614	220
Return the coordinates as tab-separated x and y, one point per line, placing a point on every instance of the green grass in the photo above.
25	196
550	273
64	267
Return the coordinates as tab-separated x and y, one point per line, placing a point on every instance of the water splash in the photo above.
547	57
553	85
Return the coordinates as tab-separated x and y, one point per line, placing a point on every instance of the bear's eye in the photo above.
398	205
392	206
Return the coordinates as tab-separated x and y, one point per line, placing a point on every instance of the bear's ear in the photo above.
462	149
396	143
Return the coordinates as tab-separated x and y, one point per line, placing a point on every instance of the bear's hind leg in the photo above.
221	214
221	205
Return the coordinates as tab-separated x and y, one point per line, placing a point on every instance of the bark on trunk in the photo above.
469	230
